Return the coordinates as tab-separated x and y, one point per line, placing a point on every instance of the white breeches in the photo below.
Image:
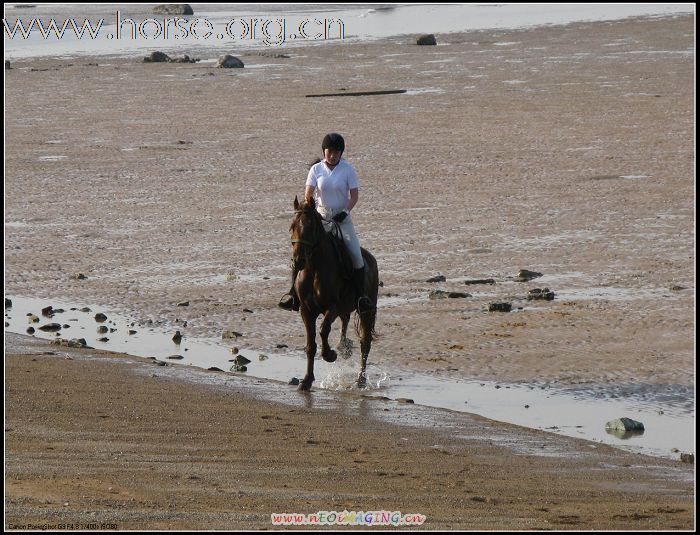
349	235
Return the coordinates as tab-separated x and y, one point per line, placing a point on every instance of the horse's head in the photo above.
306	231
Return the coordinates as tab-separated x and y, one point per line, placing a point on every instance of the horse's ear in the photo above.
296	202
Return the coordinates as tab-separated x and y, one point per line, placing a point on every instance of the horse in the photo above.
322	288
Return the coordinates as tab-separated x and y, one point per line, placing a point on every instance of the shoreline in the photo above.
667	412
243	48
305	454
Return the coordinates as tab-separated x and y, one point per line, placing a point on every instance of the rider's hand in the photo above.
340	217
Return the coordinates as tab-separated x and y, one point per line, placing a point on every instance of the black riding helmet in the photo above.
333	141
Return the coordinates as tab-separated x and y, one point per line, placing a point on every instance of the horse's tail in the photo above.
364	323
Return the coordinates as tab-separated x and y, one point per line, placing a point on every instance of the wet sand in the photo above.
100	440
565	150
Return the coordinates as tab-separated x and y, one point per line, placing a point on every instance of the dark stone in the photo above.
228	61
427	39
480	281
50	327
525	275
539	293
157	57
100	317
173	9
500	307
437	278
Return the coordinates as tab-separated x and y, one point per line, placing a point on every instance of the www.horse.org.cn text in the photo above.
273	31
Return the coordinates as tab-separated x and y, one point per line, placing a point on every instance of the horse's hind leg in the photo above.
326	352
310	324
367	326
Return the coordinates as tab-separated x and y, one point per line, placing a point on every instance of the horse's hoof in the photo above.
362	381
304	386
331	356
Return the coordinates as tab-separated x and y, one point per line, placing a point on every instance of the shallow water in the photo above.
667	411
363	22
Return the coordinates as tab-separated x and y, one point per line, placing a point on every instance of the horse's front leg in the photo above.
326	352
310	324
345	344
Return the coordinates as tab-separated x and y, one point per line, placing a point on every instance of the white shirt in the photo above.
333	185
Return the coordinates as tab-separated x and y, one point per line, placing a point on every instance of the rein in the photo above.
317	241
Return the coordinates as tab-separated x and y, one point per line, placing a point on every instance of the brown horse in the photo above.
322	289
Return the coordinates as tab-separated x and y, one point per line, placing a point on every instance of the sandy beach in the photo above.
566	150
95	440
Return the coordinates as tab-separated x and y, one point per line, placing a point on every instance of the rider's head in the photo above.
333	141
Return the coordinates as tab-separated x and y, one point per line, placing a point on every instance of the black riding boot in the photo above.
290	301
363	302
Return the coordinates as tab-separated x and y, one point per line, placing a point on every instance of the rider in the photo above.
333	181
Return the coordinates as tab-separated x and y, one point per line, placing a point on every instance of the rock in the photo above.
85	309
688	458
79	276
102	329
32	318
525	275
437	278
7	64
8	303
183	304
177	337
480	281
230	334
624	426
50	327
184	59
103	339
241	360
426	39
100	317
132	331
231	276
442	294
173	9
30	330
74	342
47	311
677	288
294	381
539	293
229	62
500	307
175	357
157	57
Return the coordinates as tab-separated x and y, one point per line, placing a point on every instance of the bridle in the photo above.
310	245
